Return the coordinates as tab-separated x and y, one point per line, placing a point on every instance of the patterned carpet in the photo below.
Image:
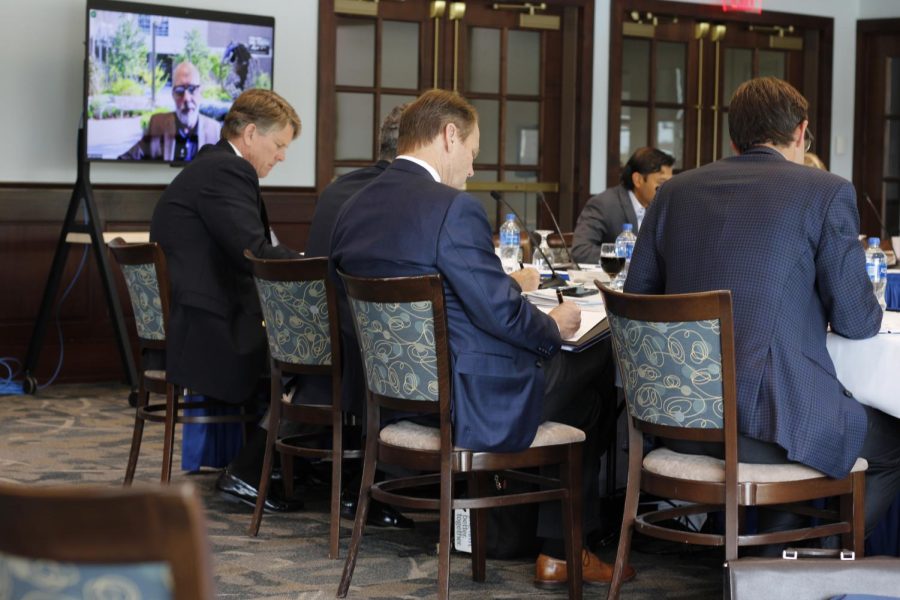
80	434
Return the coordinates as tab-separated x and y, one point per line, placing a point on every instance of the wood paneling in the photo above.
31	218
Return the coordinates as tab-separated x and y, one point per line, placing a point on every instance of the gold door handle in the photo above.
457	12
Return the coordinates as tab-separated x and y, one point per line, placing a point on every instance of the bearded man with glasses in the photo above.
176	136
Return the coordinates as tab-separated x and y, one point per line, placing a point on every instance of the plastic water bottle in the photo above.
510	244
876	268
624	248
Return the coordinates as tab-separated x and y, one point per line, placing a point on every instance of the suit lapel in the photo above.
627	206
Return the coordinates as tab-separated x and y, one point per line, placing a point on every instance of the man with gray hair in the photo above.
177	135
216	343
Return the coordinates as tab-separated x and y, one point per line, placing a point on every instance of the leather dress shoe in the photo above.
380	514
550	573
233	488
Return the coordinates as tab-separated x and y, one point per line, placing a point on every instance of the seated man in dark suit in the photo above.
601	220
783	238
508	372
177	135
216	344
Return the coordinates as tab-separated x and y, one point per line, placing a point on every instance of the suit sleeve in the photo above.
491	299
646	273
229	209
844	287
590	230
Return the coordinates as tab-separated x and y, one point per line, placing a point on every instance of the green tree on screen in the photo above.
128	54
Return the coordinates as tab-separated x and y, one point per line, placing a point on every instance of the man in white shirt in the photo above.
604	214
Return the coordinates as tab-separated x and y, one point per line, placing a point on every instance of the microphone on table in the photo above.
877	214
554	280
559	232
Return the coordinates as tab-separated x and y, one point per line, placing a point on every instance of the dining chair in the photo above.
401	327
676	361
101	542
300	312
147	280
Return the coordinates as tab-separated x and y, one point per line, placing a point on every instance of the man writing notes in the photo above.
213	210
508	372
604	214
783	238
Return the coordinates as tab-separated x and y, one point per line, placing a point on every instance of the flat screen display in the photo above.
160	79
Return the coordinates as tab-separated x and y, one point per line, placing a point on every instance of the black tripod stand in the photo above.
74	232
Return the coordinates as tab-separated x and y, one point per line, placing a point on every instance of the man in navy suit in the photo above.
602	218
508	374
783	238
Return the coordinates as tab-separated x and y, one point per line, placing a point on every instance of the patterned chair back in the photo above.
297	320
397	344
671	372
146	278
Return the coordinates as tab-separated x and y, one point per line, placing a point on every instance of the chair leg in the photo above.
477	481
266	475
362	512
287	474
172	394
446	503
632	495
138	433
852	510
570	476
337	459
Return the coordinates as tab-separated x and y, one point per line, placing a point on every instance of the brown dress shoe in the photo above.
550	572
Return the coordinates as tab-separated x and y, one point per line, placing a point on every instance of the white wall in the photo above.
42	90
845	14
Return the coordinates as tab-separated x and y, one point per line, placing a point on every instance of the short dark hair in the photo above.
390	130
426	116
263	108
765	110
645	160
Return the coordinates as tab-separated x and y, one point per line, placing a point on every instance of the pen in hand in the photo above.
559	295
521	265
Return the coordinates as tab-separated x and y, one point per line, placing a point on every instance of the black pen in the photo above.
559	295
521	265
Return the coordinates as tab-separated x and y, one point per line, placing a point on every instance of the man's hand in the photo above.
568	317
528	279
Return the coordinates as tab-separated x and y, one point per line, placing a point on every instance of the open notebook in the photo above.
593	318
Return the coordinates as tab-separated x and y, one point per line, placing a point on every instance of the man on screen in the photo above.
177	135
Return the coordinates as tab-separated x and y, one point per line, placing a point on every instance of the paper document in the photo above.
890	323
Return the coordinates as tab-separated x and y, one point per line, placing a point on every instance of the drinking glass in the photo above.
540	257
609	261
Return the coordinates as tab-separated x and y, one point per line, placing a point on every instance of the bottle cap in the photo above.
874	241
627	227
510	217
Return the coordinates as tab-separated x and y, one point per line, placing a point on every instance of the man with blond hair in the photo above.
508	374
212	211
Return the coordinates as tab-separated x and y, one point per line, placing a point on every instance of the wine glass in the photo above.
610	262
540	258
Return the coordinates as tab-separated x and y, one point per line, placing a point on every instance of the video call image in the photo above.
160	86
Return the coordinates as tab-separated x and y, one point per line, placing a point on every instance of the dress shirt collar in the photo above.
639	209
236	151
431	170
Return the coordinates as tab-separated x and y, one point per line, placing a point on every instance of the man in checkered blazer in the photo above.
783	238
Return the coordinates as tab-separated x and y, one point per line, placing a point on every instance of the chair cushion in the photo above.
696	467
155	374
415	436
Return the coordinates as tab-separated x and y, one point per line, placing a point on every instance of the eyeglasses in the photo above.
808	140
179	90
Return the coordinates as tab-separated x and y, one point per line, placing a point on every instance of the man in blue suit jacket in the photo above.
507	373
783	238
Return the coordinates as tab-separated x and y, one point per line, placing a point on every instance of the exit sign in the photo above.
751	6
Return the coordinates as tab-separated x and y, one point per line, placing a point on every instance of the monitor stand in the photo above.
88	231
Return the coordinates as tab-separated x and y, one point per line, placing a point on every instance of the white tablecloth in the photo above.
870	368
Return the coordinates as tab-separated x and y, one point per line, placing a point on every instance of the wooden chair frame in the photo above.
330	415
155	381
450	464
731	495
100	525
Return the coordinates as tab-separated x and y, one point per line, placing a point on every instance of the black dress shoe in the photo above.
380	514
233	488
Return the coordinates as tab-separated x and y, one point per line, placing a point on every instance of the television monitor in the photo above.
159	80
